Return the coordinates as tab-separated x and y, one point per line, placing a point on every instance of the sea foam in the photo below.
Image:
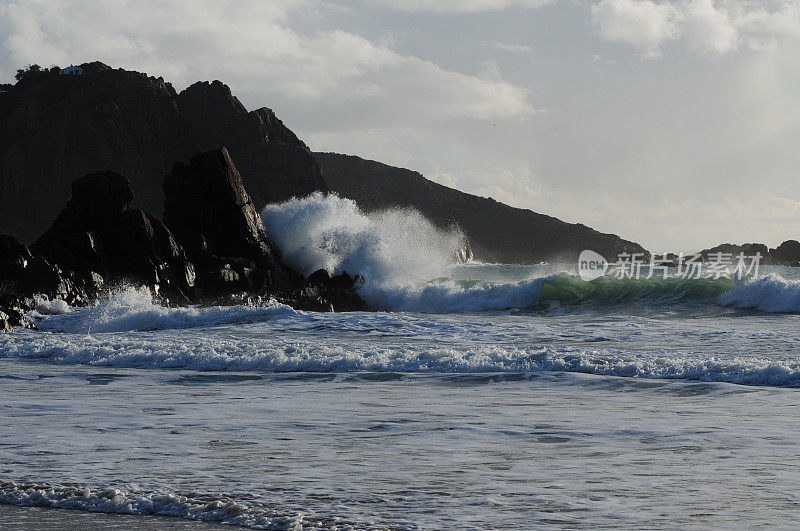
209	353
771	294
134	309
209	508
394	247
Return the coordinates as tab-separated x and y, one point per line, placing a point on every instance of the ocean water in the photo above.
479	396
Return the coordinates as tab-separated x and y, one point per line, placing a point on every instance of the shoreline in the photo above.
32	518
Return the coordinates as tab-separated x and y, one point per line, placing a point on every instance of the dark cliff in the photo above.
497	232
56	128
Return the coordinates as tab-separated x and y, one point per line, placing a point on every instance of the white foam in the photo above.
217	508
134	309
326	354
771	293
46	306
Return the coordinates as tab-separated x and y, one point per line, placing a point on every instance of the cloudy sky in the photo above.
674	123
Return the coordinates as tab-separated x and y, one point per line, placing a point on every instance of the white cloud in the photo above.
763	28
510	48
709	29
458	6
641	23
253	48
705	26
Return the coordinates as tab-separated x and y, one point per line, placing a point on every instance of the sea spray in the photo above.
404	259
393	247
771	294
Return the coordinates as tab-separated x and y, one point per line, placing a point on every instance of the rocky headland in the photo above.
210	248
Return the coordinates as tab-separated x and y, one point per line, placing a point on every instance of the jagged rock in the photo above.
274	164
205	201
208	210
22	275
14	257
212	216
100	237
339	288
11	317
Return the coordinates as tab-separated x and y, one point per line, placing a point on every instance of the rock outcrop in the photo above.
496	232
786	254
211	249
102	239
55	129
24	274
213	217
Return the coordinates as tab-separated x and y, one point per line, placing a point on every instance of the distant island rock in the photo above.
786	254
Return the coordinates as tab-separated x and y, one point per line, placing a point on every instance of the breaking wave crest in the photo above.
323	356
134	309
770	294
559	292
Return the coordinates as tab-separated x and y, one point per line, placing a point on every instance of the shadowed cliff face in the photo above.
496	232
55	129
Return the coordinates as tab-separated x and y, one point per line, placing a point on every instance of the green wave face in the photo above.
604	292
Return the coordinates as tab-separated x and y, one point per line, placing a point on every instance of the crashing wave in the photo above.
771	294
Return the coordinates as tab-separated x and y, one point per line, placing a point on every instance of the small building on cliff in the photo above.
71	70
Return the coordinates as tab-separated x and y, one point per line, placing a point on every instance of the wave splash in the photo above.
392	247
770	294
